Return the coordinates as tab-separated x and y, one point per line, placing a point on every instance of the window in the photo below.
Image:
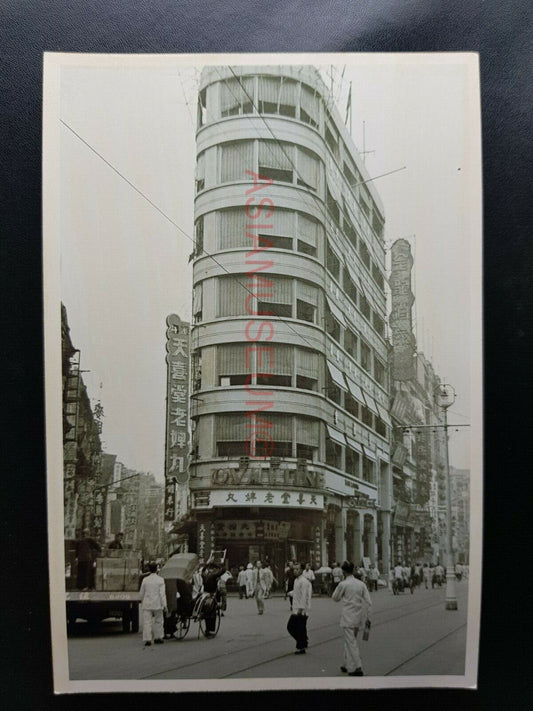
364	253
276	161
231	368
197	302
199	236
307	168
353	460
366	357
379	323
333	391
202	108
277	95
333	453
332	138
349	287
231	296
276	432
368	470
333	208
364	305
232	229
200	172
377	224
276	241
309	233
307	437
332	326
196	369
236	96
231	432
364	202
381	427
277	366
366	416
309	106
306	302
275	300
307	364
235	159
351	405
333	264
379	372
377	276
350	343
351	174
349	230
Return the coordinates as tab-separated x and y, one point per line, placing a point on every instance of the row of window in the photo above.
284	96
283	365
278	435
280	96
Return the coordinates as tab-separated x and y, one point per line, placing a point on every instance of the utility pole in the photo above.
446	398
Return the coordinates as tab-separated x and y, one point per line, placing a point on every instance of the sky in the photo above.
127	158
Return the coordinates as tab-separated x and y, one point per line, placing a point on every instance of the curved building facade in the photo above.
290	396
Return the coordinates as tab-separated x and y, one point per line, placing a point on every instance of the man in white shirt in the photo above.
154	604
301	604
259	580
356	606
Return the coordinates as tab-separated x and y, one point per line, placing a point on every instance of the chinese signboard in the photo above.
400	320
423	465
259	497
266	530
177	438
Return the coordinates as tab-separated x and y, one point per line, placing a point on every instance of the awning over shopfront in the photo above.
368	452
336	435
371	403
384	414
337	376
354	445
337	313
355	390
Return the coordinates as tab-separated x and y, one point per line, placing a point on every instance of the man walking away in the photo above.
241	582
356	606
154	604
222	591
301	604
260	586
289	580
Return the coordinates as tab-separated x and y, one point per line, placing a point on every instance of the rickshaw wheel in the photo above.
203	624
182	627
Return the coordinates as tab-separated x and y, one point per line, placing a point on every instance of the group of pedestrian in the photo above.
255	581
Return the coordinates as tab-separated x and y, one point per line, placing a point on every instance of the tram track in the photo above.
409	608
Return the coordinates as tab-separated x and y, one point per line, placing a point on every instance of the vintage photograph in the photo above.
262	284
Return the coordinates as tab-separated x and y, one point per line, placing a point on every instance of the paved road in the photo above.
411	634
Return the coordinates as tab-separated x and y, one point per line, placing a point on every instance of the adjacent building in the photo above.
290	392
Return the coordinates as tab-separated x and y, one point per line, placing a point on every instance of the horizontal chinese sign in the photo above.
268	530
259	497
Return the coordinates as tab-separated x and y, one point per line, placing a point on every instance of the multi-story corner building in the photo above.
289	408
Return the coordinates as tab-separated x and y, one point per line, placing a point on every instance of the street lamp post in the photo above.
446	398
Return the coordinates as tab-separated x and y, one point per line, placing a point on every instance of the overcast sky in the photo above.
124	264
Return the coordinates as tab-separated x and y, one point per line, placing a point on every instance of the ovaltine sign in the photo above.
256	476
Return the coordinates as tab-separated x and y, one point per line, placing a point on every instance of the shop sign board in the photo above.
260	498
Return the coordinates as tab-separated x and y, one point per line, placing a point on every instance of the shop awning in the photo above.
368	452
383	414
337	313
337	376
354	445
371	403
336	435
355	390
354	276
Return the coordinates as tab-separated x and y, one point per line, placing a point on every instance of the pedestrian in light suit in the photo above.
249	580
356	606
154	605
260	582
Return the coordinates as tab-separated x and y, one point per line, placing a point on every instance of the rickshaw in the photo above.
178	572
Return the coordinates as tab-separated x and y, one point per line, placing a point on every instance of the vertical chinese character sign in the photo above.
177	437
400	320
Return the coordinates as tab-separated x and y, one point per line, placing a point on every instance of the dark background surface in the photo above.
500	33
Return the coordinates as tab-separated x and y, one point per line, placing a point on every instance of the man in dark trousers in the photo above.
301	604
210	574
86	551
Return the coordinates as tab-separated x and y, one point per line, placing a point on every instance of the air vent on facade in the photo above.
244	462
